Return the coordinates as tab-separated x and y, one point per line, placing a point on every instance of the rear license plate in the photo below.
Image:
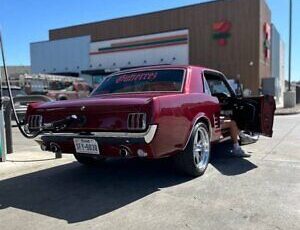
88	146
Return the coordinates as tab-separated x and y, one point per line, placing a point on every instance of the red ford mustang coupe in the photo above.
150	112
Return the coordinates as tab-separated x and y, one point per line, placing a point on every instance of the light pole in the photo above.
289	97
2	137
290	44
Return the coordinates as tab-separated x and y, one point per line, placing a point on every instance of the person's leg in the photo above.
234	132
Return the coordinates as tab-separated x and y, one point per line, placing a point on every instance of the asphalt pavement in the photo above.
38	191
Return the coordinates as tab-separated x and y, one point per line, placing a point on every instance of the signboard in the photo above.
222	32
267	40
150	49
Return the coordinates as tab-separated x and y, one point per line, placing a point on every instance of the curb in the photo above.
282	113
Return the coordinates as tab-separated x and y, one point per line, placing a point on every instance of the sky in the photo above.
26	21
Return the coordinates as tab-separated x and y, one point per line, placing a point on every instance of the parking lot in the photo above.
38	191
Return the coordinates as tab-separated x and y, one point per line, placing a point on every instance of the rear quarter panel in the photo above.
176	116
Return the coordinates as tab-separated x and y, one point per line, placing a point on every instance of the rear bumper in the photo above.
109	143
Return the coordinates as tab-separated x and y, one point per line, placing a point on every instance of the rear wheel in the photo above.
195	158
88	160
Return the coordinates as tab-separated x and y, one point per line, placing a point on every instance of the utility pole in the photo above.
2	133
290	44
289	97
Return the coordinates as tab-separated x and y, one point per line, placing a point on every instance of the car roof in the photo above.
165	67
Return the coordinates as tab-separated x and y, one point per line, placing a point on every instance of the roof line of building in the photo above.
142	14
45	41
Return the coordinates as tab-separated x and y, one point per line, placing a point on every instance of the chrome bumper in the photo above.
148	135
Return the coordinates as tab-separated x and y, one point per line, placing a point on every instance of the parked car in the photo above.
151	112
75	90
16	92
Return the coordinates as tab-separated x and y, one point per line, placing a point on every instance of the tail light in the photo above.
35	122
136	121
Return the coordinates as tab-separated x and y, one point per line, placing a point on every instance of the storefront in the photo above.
232	36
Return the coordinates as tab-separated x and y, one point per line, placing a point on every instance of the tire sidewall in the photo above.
191	143
185	160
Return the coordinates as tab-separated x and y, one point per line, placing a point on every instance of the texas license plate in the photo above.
88	146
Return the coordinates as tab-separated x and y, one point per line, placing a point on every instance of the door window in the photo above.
218	84
206	87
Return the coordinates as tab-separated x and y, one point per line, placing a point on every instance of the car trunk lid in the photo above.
96	113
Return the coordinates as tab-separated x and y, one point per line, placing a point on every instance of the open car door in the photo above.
255	114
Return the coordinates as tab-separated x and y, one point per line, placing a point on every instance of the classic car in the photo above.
152	112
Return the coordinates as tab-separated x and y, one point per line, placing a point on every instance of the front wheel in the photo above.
195	158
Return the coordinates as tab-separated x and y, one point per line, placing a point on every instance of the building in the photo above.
277	64
232	36
14	72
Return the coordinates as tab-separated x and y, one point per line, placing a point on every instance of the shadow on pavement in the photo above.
76	193
227	165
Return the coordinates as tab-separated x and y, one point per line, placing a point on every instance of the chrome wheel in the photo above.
201	148
195	157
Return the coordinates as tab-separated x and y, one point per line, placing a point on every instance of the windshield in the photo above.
144	81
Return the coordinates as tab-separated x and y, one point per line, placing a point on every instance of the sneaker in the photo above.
240	153
246	139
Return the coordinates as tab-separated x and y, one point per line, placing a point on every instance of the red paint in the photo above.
174	113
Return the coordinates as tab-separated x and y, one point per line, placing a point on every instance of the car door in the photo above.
254	114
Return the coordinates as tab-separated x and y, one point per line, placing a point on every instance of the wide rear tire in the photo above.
195	158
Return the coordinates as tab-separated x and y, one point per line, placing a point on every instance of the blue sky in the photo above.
25	21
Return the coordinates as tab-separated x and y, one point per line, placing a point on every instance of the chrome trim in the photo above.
134	119
201	148
35	122
148	135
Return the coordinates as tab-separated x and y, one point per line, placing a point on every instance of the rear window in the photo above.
144	81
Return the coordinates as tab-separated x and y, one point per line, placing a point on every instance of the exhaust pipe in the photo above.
124	152
55	148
